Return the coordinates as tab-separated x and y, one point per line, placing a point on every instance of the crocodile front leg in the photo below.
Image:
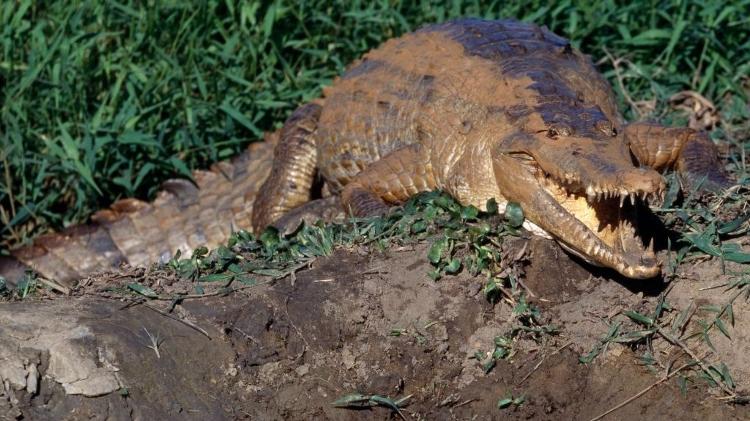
390	180
293	171
690	152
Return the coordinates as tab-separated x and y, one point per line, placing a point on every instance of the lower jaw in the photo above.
575	252
541	232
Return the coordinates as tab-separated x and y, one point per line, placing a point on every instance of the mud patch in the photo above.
373	324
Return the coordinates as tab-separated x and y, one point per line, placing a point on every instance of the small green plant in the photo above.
510	401
27	285
358	400
502	350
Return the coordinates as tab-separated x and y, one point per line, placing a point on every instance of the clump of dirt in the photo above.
374	324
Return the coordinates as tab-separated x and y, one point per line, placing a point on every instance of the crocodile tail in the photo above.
184	216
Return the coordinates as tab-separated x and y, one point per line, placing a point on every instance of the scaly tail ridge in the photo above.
182	217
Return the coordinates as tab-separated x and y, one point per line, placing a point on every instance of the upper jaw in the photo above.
627	184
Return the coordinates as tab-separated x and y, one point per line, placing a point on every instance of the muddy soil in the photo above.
358	322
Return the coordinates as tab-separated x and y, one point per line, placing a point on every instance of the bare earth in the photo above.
287	350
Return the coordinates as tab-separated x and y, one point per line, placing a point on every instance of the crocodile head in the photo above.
585	192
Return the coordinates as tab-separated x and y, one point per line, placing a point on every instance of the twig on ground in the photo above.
642	392
531	293
183	321
248	337
466	402
291	323
536	367
54	285
132	303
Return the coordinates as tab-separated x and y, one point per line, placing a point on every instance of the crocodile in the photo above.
483	110
478	108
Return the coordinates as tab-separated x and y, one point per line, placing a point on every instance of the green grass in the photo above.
103	100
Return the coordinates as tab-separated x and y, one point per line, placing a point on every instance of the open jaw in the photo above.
599	224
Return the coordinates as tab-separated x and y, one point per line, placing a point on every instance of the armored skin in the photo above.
480	109
183	217
488	109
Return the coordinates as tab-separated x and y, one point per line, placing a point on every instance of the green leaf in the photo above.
492	206
733	225
397	332
719	324
270	238
725	376
352	400
181	168
588	358
454	266
246	280
240	118
216	277
434	274
510	400
200	252
225	254
682	384
143	290
514	214
436	250
131	137
469	213
640	318
418	227
737	257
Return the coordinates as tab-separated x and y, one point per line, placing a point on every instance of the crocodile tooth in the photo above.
622	200
590	192
649	252
632	198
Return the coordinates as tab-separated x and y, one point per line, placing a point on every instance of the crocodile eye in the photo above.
606	127
558	130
